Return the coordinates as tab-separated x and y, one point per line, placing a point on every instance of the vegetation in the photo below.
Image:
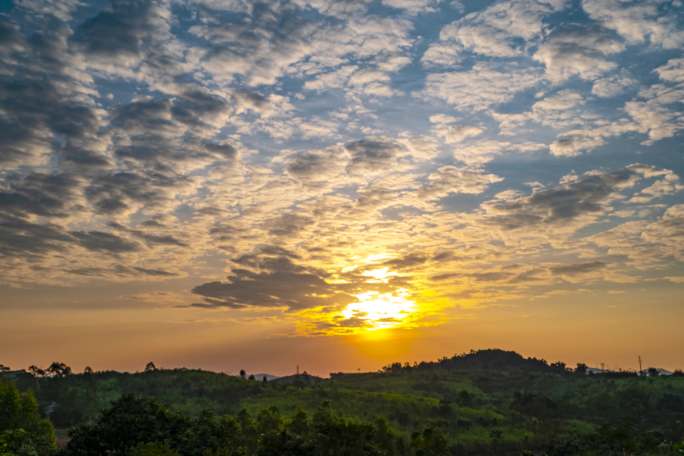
485	402
23	432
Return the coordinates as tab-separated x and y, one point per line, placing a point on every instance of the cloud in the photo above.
413	6
120	30
452	131
481	152
577	268
315	165
572	144
613	85
138	134
275	39
672	71
22	238
132	39
121	271
371	154
37	110
101	241
502	30
157	131
48	195
288	224
656	109
575	197
667	232
448	180
578	50
484	85
46	10
126	191
150	238
271	285
643	21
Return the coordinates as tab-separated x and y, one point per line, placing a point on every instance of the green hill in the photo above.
486	402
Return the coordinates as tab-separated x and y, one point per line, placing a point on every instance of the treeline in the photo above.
494	358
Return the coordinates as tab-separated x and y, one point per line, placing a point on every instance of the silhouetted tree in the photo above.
251	377
559	366
88	370
4	368
58	370
243	374
36	371
150	367
581	369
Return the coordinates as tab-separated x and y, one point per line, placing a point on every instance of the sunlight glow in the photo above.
381	310
379	275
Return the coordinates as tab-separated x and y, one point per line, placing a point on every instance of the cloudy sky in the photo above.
340	183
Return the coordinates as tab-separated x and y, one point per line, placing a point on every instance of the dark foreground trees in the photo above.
138	427
23	432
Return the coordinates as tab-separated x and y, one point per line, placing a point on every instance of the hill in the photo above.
482	402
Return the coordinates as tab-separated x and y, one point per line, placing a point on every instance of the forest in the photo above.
486	402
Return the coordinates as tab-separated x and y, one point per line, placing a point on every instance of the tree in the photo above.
58	370
581	369
22	430
430	442
559	366
251	377
4	368
130	422
88	370
150	367
465	398
36	371
153	449
243	374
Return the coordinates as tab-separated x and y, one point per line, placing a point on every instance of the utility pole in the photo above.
297	370
640	369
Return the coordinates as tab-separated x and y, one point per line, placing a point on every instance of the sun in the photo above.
381	310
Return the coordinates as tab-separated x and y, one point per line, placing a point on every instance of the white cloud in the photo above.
578	51
482	86
412	6
571	144
672	71
612	85
639	21
493	32
452	179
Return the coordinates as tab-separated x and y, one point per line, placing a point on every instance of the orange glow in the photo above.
381	310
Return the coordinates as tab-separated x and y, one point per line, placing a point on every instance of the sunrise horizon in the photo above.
280	186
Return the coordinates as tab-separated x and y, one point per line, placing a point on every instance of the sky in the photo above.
340	184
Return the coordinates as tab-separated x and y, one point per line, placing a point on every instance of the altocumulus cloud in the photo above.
298	144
